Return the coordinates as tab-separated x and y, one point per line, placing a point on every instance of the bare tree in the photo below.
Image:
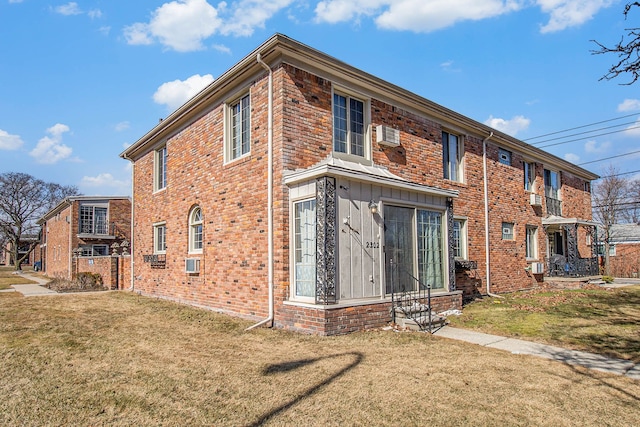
610	195
628	51
23	200
633	213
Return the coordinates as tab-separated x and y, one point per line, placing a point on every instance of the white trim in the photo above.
367	146
156	225
227	126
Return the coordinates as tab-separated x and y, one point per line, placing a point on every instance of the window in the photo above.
195	230
160	177
452	156
304	230
507	231
414	249
160	238
93	220
348	125
94	250
529	175
504	157
531	245
460	238
238	128
587	186
551	184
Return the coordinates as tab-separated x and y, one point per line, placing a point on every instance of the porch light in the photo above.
373	207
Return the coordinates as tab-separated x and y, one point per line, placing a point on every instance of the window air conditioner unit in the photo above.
537	268
387	136
535	200
192	265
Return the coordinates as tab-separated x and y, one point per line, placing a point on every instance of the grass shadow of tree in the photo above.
290	366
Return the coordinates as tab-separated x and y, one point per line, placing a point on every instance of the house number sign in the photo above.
372	245
156	261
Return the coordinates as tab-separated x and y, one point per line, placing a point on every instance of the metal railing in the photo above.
558	266
411	297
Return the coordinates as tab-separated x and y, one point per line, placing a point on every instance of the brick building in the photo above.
82	226
309	194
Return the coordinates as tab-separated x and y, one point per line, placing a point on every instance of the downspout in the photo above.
133	168
269	196
486	216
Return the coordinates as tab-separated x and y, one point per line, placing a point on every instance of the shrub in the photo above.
84	281
607	279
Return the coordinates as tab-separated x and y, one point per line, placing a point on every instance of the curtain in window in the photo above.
305	248
430	249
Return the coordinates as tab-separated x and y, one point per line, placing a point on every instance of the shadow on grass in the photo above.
296	364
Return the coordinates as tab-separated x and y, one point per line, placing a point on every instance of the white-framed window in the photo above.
350	122
552	184
531	243
460	238
160	169
504	156
507	231
304	249
93	220
529	175
160	238
452	153
238	128
195	230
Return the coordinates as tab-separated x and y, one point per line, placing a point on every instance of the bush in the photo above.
607	279
85	281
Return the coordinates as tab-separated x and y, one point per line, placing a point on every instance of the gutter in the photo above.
269	197
486	216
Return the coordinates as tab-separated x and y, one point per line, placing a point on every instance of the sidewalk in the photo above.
32	289
571	357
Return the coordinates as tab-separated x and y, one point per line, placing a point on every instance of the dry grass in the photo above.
595	320
7	278
121	359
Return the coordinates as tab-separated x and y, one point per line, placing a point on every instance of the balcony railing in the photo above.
554	206
558	266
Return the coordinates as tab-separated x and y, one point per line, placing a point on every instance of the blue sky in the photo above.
79	81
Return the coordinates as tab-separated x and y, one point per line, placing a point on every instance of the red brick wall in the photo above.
57	253
233	198
115	271
626	261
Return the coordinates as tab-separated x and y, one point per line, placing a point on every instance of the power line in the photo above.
607	158
589	131
587	137
580	127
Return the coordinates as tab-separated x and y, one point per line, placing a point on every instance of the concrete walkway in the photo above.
32	289
571	357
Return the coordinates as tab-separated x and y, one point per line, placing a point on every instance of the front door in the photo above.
398	248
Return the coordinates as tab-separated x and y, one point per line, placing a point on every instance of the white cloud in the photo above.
511	127
629	105
174	94
106	184
68	9
633	130
15	1
50	149
569	13
122	126
95	13
105	30
251	14
221	48
573	158
595	148
413	15
9	142
183	25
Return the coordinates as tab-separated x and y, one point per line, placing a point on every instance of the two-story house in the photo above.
82	226
304	193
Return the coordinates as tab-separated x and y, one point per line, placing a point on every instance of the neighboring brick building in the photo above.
82	226
302	191
624	250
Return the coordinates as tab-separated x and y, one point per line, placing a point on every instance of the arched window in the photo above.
195	230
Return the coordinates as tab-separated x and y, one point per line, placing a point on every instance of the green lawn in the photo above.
604	321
